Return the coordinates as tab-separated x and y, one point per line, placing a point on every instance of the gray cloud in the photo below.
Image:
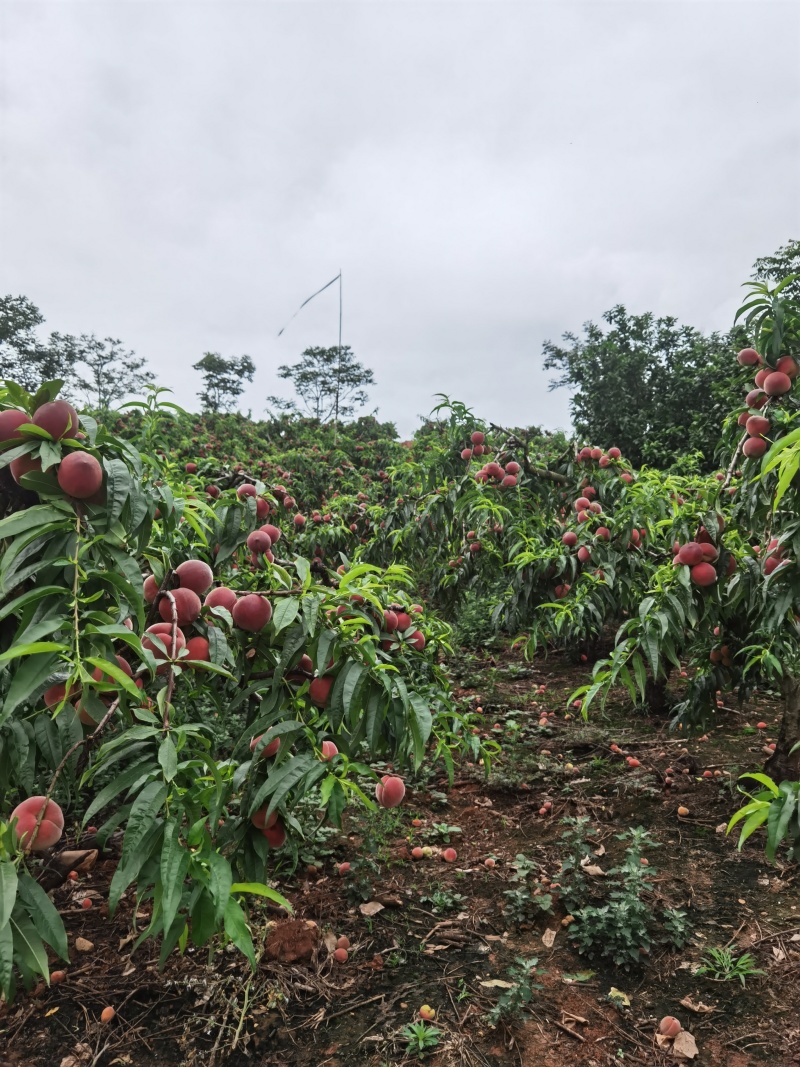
487	176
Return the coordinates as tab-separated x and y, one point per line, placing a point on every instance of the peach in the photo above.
614	453
417	640
757	425
150	589
786	365
669	1026
390	620
197	648
320	690
221	597
56	693
682	811
196	575
268	750
754	447
10	421
512	467
777	383
261	820
703	574
58	418
449	855
275	836
748	357
246	490
756	398
163	631
80	475
427	1012
299	521
489	862
570	539
477	437
389	792
691	553
107	1014
187	606
416	853
329	750
24	465
190	468
343	869
340	955
272	532
761	376
50	829
259	541
466	453
252	612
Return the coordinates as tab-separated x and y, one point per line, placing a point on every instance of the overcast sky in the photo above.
487	175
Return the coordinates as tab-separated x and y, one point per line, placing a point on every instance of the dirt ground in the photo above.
443	933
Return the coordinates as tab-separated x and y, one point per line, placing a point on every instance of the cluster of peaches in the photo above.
587	454
700	556
79	473
490	473
769	382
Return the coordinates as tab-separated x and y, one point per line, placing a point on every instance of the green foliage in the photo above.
721	965
513	1001
776	805
421	1038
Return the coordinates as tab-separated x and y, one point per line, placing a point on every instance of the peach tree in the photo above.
200	712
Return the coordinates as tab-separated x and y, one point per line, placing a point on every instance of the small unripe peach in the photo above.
340	955
56	977
107	1014
329	750
427	1012
343	869
86	903
682	811
489	862
343	942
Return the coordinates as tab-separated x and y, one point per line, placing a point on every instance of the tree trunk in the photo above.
781	766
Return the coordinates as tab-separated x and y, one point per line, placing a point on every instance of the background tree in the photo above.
223	380
26	359
330	383
776	267
107	372
653	388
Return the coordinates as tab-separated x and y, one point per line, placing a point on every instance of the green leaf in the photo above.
168	758
28	945
30	677
117	785
237	930
44	915
285	613
118	486
33	518
763	779
174	868
7	962
420	722
263	891
144	811
32	649
8	890
219	883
